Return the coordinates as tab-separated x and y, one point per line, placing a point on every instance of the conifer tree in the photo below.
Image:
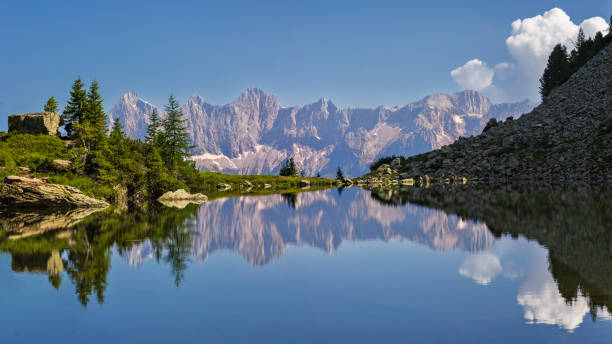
51	105
175	138
91	133
556	72
154	177
74	112
116	143
580	40
289	168
339	174
153	129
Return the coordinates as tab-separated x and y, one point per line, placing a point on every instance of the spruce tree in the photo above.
557	70
339	174
91	133
289	168
153	129
51	105
116	143
155	176
74	112
175	138
580	40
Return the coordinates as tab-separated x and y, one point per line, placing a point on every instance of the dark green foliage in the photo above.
339	174
556	72
175	140
153	131
91	135
74	112
51	105
289	168
562	65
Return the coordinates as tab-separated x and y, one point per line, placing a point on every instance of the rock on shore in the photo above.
181	198
20	192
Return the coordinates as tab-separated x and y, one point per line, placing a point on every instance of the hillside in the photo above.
254	133
567	138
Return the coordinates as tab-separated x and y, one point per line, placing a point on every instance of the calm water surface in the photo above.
421	265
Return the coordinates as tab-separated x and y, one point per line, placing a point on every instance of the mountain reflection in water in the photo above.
557	243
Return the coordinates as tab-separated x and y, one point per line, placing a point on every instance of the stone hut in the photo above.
35	123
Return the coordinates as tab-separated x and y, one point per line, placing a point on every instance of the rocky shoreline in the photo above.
567	138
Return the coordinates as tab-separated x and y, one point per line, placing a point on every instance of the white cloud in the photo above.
473	75
482	268
533	39
530	42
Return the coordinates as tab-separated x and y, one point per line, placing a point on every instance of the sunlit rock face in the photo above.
260	228
254	133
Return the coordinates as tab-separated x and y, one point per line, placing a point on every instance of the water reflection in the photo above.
556	244
563	282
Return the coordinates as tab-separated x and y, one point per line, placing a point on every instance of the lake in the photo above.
440	264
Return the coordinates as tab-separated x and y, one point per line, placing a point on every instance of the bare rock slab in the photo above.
21	192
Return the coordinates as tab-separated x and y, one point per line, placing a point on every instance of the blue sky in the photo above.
357	53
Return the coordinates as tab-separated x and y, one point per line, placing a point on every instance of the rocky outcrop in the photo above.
565	139
181	198
35	123
254	134
21	192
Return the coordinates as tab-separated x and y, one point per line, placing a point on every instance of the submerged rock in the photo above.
32	192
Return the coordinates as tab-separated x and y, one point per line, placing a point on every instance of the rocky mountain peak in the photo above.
195	99
253	134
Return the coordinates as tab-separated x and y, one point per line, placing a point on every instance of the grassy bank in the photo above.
256	184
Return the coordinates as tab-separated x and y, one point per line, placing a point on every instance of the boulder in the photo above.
32	192
35	123
62	165
304	183
223	187
181	198
267	186
182	195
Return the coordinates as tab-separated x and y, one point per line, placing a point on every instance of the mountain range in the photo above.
254	133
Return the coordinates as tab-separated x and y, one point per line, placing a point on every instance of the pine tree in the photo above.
580	40
339	174
289	168
74	112
557	70
91	133
175	138
51	105
116	143
154	177
153	129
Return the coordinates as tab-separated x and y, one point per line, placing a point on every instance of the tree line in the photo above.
561	64
148	168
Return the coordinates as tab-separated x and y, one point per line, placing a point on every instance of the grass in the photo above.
239	187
